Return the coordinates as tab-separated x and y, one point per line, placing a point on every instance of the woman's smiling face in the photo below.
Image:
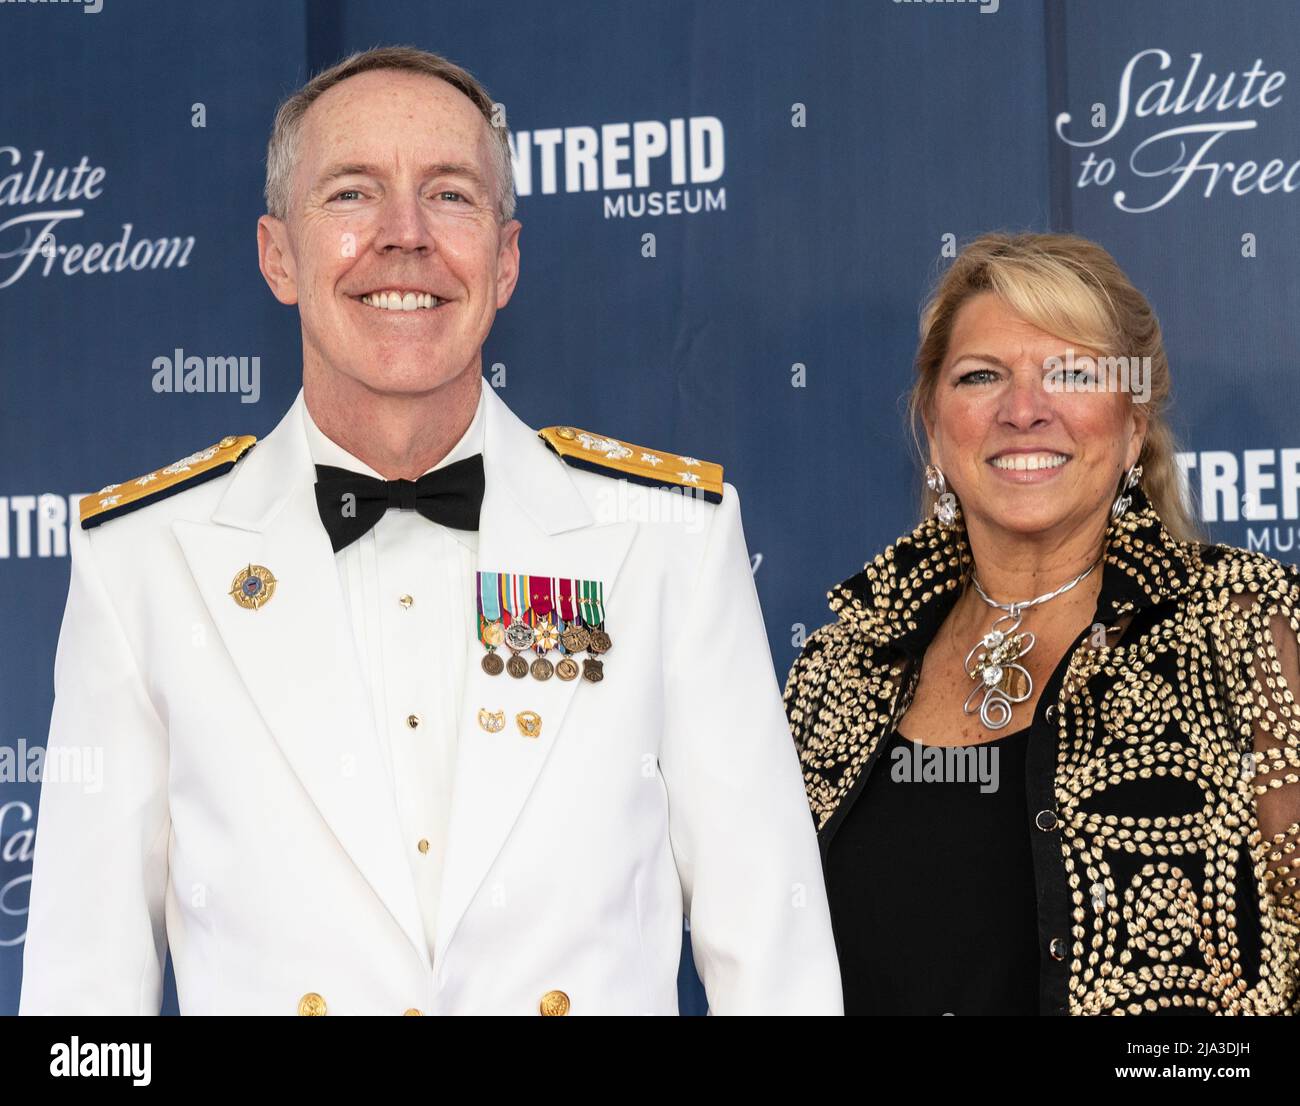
1020	456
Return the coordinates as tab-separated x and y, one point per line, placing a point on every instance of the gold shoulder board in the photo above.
119	499
586	450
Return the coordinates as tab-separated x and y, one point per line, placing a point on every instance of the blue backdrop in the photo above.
845	144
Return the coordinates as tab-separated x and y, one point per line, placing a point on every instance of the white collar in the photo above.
279	471
326	451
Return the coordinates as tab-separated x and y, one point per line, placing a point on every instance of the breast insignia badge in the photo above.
253	587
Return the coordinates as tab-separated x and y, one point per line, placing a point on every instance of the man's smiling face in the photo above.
393	201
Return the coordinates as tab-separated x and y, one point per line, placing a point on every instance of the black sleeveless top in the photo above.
931	883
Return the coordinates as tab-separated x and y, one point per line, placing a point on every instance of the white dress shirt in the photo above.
409	587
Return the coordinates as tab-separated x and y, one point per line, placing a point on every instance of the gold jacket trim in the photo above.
655	467
120	499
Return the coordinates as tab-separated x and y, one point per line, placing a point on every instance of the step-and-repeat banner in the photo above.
731	211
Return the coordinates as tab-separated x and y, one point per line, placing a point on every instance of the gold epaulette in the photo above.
119	499
597	453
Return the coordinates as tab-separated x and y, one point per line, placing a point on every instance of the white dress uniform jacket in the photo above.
247	817
409	585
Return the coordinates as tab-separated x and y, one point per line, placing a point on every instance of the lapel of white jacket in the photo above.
297	656
535	521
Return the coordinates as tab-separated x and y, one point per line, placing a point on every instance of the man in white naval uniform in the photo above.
321	791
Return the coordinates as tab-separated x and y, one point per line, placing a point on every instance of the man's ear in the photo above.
275	259
508	262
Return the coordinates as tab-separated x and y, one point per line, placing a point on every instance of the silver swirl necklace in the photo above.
997	669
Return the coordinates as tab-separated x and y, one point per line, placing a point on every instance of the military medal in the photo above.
548	637
545	635
519	637
575	638
592	609
492	634
491	630
517	666
538	614
519	634
572	636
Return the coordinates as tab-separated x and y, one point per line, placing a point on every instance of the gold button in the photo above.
227	442
406	602
311	1005
555	1004
566	432
423	844
413	720
412	1013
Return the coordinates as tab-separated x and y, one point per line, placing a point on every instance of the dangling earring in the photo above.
945	506
1123	501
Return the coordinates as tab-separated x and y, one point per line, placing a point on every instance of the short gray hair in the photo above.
282	150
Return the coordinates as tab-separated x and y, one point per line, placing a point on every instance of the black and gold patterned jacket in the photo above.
1167	847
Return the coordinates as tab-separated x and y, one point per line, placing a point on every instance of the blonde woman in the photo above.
1051	741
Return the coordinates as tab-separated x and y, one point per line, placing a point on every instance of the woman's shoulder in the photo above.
838	669
1229	570
838	697
895	592
893	598
828	647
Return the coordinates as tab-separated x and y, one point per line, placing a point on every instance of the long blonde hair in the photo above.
1072	288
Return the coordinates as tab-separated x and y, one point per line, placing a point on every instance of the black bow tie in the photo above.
350	503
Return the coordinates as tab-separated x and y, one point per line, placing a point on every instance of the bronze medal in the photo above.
600	642
493	665
542	669
593	670
567	669
575	638
517	666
